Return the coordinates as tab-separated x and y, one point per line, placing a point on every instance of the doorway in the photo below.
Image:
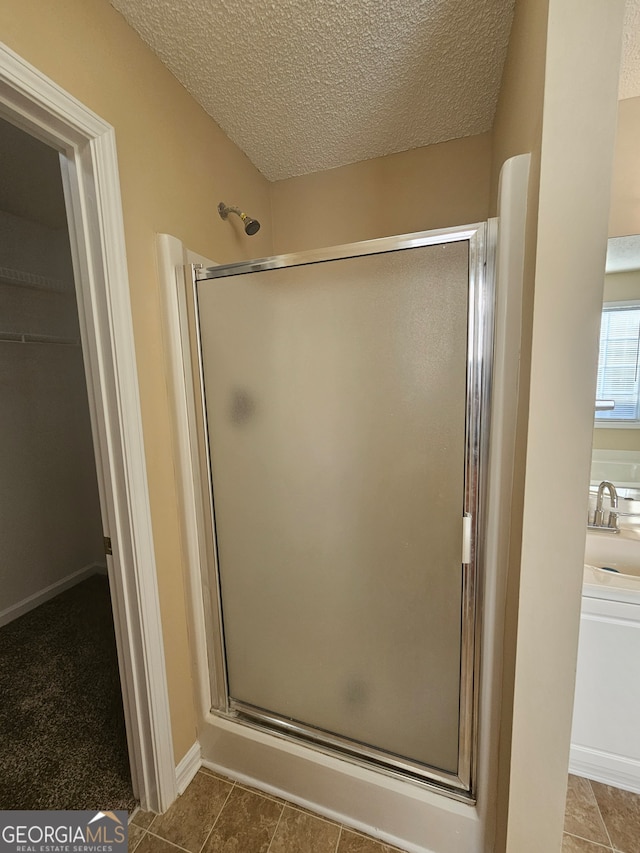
63	741
86	145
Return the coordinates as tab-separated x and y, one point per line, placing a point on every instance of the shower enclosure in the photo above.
344	423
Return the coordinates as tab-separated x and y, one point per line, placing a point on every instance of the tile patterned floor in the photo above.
217	815
599	818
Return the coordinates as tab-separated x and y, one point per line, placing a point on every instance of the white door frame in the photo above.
87	149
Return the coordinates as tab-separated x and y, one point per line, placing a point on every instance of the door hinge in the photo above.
107	546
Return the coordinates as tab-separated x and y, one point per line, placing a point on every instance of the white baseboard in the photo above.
188	767
605	767
32	601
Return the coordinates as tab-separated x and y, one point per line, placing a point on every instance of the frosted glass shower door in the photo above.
336	406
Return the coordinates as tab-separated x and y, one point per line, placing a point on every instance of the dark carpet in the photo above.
62	735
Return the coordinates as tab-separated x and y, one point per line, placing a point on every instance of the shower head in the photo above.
251	226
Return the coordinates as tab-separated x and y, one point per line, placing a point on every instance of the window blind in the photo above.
619	362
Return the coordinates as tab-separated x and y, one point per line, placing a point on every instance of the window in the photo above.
619	364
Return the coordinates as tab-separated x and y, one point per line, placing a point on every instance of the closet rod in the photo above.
17	338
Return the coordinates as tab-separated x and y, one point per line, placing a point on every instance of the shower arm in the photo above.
225	209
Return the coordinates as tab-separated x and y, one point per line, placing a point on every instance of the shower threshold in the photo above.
354	751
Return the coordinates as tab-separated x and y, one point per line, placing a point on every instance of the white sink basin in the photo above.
605	551
616	551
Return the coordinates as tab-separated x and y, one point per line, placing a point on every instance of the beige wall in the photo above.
616	439
433	187
517	126
621	286
624	218
578	126
175	165
517	130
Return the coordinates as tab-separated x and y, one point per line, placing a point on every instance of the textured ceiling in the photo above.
630	64
307	85
623	254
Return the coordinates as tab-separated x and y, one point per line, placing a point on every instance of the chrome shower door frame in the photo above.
481	240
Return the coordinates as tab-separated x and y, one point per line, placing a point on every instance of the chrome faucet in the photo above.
598	516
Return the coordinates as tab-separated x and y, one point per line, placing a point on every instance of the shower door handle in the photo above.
466	537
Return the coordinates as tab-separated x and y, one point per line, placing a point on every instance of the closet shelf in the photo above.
36	282
19	338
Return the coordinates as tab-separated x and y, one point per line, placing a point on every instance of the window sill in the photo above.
616	424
